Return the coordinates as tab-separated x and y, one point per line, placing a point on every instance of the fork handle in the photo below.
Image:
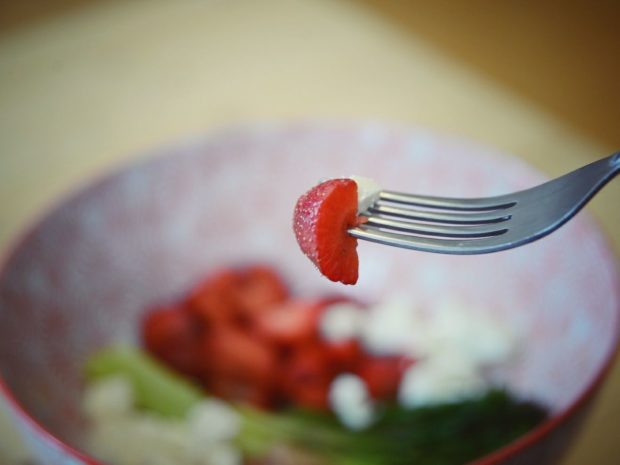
595	175
605	168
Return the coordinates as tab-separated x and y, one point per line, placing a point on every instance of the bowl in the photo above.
80	278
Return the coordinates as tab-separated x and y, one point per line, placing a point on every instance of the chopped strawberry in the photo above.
212	300
237	296
247	340
345	355
321	220
314	395
174	337
306	377
238	389
233	353
383	374
258	289
290	323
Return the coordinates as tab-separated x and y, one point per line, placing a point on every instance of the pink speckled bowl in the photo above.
80	278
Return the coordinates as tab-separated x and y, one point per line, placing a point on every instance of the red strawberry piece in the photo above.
383	375
321	220
239	367
237	296
306	378
212	300
173	336
238	389
345	355
232	353
290	323
314	395
258	288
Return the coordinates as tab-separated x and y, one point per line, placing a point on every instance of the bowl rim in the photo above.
171	149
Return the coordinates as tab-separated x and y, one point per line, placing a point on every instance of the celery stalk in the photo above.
156	388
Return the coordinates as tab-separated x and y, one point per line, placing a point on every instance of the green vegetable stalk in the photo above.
156	388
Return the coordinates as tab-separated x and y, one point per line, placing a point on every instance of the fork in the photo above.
466	226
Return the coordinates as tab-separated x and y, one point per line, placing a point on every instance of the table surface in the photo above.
88	89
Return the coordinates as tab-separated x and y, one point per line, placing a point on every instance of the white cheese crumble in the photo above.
213	421
109	397
351	402
483	339
340	322
454	345
388	327
367	192
124	435
442	378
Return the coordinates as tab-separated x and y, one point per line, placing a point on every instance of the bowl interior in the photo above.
82	277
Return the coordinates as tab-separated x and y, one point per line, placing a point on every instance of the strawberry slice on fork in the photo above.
322	217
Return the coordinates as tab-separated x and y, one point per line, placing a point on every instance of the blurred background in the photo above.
86	85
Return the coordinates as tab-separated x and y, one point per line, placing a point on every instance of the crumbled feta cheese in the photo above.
124	435
140	438
340	322
388	326
453	343
367	192
212	421
350	400
223	455
112	396
474	335
442	378
484	339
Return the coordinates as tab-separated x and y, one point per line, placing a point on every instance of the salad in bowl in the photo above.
165	314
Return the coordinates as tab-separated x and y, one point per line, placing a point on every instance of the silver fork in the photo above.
482	225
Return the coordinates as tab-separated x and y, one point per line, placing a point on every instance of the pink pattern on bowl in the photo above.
80	278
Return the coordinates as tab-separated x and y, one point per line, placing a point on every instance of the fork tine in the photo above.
431	244
414	227
448	203
443	217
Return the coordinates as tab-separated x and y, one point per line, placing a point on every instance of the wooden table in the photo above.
89	89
